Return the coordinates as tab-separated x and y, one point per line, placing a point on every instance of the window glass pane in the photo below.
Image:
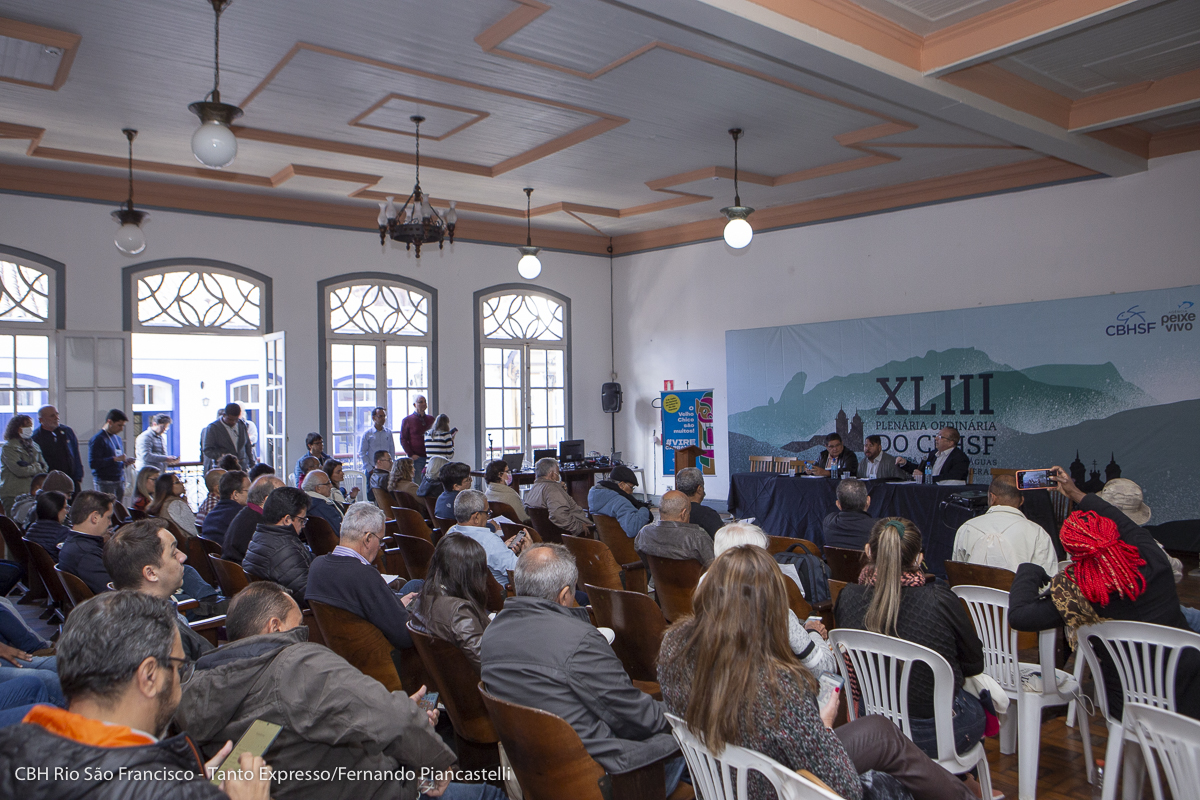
522	316
199	299
24	293
376	308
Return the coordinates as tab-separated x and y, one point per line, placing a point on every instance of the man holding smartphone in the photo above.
471	510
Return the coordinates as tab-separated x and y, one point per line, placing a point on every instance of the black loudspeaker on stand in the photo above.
610	403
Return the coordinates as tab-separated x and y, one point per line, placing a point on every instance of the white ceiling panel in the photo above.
926	16
28	61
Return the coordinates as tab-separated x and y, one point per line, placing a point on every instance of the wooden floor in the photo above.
1061	771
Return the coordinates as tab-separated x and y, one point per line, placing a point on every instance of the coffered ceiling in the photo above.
616	114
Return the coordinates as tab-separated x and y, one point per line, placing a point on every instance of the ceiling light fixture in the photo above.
213	143
417	222
130	239
530	266
738	232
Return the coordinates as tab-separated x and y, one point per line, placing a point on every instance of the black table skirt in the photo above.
785	506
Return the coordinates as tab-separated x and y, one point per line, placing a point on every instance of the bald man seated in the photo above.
674	535
1004	537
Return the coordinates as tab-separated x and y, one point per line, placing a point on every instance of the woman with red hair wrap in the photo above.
1118	571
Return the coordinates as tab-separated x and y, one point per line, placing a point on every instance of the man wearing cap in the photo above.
614	497
1004	537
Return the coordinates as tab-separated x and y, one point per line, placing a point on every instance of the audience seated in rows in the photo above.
673	536
275	552
319	490
452	605
144	557
690	481
55	481
455	477
378	477
542	652
122	667
893	598
242	526
1118	571
549	493
81	553
346	578
212	482
614	498
341	500
234	489
807	638
850	526
143	487
1003	537
169	503
498	480
471	513
48	528
333	716
729	673
258	470
402	477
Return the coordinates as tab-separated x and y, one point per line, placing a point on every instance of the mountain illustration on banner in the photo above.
1032	400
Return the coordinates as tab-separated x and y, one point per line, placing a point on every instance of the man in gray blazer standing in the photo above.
876	463
227	435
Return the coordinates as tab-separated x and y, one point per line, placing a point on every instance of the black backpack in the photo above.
814	573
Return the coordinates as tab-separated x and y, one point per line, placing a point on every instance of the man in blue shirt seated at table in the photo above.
471	510
346	579
455	477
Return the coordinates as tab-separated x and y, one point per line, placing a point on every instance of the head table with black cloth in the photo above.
785	506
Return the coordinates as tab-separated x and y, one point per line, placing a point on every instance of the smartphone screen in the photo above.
1034	479
429	701
830	685
257	738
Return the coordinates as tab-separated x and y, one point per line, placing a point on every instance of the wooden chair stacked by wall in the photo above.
762	464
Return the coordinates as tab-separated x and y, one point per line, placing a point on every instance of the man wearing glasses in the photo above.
947	463
122	667
144	557
346	579
276	552
319	489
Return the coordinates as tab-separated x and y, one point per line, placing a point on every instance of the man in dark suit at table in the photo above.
946	462
849	526
835	456
876	464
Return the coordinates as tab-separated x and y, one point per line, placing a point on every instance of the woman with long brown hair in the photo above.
729	672
893	598
169	503
453	602
401	477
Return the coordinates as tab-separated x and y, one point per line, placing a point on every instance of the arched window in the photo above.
31	304
199	297
379	342
524	352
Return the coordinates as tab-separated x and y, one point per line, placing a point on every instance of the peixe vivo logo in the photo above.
1132	321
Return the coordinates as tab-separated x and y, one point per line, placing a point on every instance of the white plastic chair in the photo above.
989	611
1172	740
354	479
1146	658
712	778
883	665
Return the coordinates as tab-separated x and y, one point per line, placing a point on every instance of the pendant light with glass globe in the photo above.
738	232
130	239
530	266
213	143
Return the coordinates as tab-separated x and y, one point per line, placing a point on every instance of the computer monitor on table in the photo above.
515	461
570	451
538	455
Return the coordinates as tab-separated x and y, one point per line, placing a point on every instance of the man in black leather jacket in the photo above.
121	665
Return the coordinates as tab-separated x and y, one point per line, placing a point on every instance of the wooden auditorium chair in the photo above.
675	581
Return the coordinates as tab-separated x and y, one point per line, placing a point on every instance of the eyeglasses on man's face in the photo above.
185	669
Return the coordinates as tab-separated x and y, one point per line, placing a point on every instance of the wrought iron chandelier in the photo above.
130	239
417	222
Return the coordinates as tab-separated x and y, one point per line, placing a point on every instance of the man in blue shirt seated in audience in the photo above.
347	580
234	489
455	477
471	510
614	497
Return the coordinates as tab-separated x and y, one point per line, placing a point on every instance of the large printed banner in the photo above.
688	420
1103	386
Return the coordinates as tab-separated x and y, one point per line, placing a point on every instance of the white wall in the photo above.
1095	237
297	257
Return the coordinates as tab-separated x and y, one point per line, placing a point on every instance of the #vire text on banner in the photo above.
688	420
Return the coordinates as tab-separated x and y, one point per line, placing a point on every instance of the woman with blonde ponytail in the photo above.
893	598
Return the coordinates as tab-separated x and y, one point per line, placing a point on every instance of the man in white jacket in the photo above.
1004	537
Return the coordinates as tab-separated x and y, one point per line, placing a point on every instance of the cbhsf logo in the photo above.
1131	321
